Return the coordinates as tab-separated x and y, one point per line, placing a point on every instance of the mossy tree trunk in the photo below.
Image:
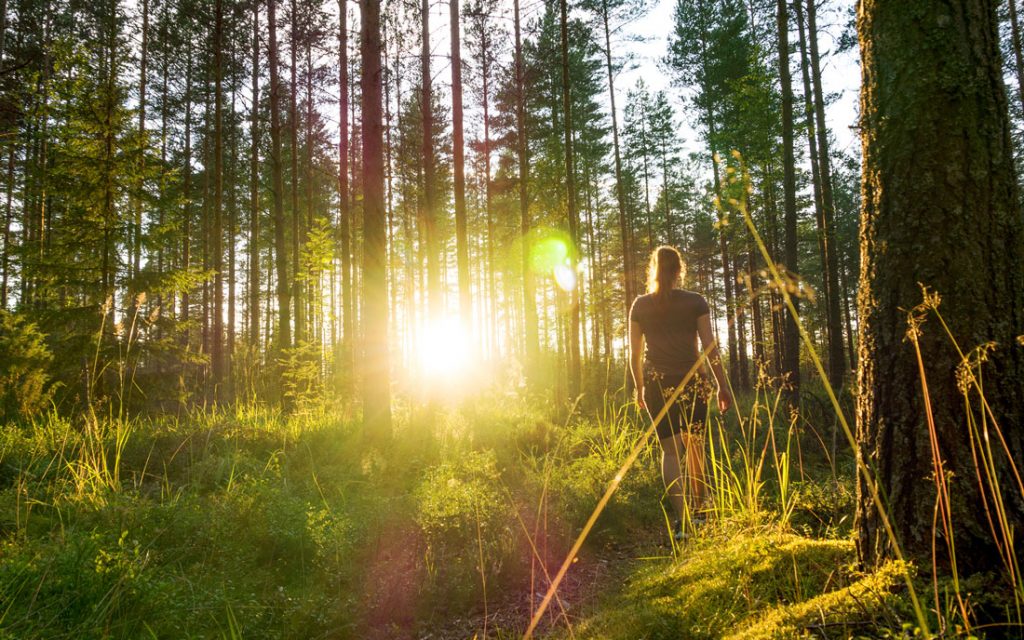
939	209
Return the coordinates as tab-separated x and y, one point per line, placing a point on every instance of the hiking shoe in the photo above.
679	531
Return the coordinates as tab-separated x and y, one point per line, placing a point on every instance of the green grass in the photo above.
747	584
244	523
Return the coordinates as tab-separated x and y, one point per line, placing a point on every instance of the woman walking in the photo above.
668	321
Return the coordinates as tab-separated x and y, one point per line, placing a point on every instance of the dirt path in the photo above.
596	573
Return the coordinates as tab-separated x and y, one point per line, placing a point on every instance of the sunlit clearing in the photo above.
565	277
444	350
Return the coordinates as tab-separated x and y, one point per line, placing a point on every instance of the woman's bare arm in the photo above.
707	341
636	359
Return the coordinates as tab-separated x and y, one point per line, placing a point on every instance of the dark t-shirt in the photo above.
670	329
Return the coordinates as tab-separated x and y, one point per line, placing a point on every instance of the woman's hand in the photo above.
640	398
724	399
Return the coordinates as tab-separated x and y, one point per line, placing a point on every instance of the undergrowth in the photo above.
246	523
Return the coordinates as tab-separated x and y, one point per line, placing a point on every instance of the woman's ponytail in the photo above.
665	267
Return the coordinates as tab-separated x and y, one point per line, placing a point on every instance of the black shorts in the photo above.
690	410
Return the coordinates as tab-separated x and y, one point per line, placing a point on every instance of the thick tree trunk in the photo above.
791	335
376	387
284	339
459	178
940	210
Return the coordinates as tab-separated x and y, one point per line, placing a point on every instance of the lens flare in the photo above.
565	277
548	249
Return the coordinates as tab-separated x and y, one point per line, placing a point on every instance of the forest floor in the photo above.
246	524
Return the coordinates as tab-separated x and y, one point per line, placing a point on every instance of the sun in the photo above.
444	350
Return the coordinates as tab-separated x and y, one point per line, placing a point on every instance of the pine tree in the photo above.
960	179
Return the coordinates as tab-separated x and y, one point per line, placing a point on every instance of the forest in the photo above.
317	318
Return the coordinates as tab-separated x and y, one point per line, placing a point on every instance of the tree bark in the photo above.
376	387
284	339
940	209
254	188
293	137
1018	56
216	345
575	373
836	356
186	187
459	178
344	211
435	299
791	335
628	277
531	332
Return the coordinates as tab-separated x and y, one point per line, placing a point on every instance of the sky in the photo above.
840	73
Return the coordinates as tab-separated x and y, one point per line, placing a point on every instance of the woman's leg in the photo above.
673	451
693	468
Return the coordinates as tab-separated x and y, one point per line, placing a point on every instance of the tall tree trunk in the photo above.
628	276
143	59
755	307
205	229
216	345
728	279
284	339
459	179
376	387
3	27
186	187
389	77
791	334
254	188
165	60
293	137
742	381
229	350
7	227
435	299
312	301
344	212
532	337
727	275
836	357
485	77
574	371
669	235
1018	56
959	179
812	145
